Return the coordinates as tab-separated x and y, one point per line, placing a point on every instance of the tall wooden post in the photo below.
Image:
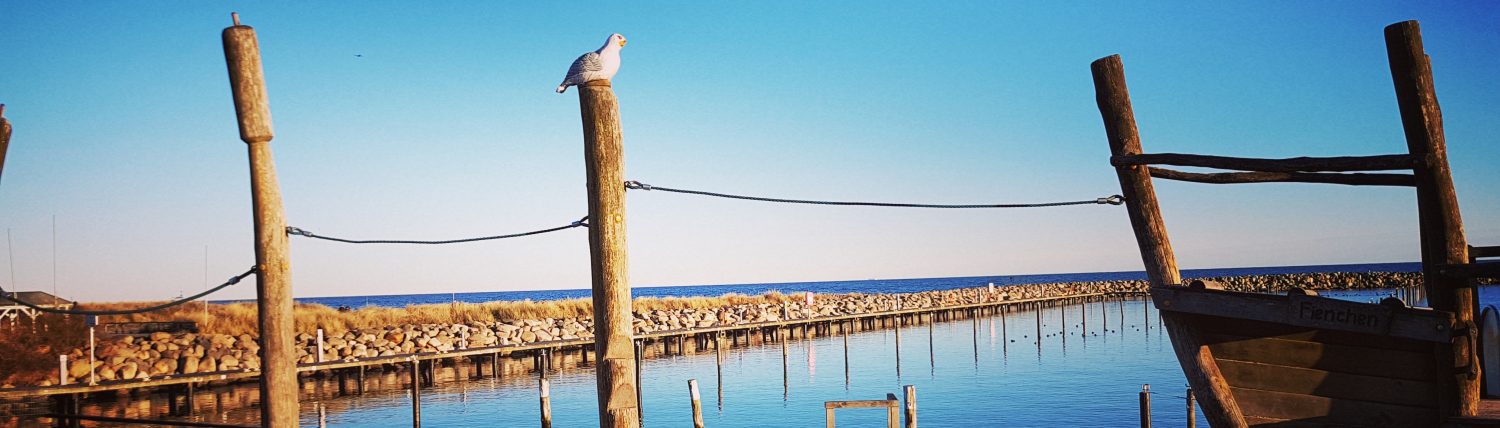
1198	365
604	159
278	380
4	138
1442	229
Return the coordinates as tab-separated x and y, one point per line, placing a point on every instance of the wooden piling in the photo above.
898	348
975	317
719	367
846	356
786	385
278	380
697	405
1201	370
604	160
1192	415
910	391
931	349
416	393
640	413
1146	406
1442	229
546	401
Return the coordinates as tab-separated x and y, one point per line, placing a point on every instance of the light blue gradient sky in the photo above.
448	127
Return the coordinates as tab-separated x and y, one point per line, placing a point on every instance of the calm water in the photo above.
1086	377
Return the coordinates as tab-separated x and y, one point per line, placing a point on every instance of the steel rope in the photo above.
1111	200
583	222
232	281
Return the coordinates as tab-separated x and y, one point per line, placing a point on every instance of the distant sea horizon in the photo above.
869	286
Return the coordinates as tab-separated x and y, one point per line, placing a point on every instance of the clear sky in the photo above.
430	121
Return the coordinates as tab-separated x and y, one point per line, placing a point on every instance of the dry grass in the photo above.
240	318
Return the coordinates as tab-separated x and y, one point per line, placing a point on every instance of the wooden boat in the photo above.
1299	359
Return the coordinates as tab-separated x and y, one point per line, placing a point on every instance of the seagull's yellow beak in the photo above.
622	42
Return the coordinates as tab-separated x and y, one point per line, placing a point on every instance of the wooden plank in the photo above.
1297	380
1352	179
857	404
1309	311
1249	328
1474	252
1283	423
1297	164
1327	411
1360	360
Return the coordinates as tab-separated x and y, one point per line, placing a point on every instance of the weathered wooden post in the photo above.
910	391
898	347
697	405
845	331
786	384
546	402
1146	405
1192	416
278	379
604	160
1151	236
931	352
416	393
719	366
4	138
320	345
1442	228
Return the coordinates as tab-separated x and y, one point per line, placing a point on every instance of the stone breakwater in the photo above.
163	354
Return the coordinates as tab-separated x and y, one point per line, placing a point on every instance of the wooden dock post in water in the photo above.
278	380
416	393
697	404
545	395
898	348
1192	415
1443	241
1151	237
786	385
1146	406
910	391
604	160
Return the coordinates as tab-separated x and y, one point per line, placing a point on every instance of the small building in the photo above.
9	309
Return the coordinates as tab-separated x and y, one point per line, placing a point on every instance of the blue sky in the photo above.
446	126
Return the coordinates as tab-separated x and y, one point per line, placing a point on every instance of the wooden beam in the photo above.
1474	252
1442	229
1469	271
1285	177
1297	164
604	159
278	382
4	138
1151	236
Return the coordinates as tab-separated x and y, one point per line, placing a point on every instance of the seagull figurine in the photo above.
597	65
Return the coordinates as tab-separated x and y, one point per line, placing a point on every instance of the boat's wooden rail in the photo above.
1311	311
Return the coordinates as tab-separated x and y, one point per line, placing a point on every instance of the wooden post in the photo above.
786	385
604	160
1442	228
62	369
1192	416
898	348
697	405
911	405
639	350
892	411
719	366
546	400
931	352
1197	361
1146	406
320	345
845	331
975	316
278	380
4	138
416	393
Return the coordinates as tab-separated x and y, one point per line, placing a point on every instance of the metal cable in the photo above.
4	295
1111	200
583	222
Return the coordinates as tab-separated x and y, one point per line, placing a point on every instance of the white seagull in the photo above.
596	65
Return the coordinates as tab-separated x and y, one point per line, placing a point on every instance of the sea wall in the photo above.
164	354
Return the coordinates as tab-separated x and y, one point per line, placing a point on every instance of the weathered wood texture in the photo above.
696	403
1113	98
1442	228
544	394
910	393
604	160
1297	164
1309	311
4	139
1474	252
1405	180
1283	374
279	390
